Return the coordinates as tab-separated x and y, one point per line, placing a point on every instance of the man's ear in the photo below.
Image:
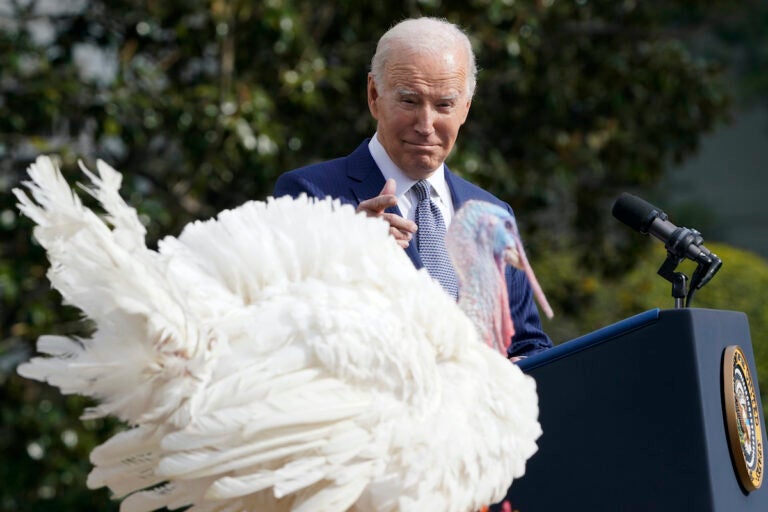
373	96
466	110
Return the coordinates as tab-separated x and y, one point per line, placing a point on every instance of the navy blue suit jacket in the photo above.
356	177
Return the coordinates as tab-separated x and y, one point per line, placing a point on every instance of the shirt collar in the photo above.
404	183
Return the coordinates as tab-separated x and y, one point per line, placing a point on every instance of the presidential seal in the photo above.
743	419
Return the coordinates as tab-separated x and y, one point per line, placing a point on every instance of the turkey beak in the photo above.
512	257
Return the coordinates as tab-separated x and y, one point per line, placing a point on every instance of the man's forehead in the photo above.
445	63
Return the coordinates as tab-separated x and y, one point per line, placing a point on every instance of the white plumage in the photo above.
283	356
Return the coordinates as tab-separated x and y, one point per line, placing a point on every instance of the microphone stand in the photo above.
706	269
678	279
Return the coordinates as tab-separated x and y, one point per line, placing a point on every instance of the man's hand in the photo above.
402	229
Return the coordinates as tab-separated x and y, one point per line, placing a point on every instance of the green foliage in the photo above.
45	469
203	103
593	98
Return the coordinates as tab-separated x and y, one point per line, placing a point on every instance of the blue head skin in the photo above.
483	239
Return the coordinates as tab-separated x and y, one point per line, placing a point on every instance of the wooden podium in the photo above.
658	412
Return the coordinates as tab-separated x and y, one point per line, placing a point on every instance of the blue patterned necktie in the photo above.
430	239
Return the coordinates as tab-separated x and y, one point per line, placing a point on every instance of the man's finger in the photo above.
403	224
402	239
376	205
390	188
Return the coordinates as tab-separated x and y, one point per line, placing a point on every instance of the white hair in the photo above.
423	34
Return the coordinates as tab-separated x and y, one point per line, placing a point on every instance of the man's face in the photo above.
419	108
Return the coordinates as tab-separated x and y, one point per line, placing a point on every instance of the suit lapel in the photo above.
459	193
365	177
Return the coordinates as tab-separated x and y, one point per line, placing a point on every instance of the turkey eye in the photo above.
508	225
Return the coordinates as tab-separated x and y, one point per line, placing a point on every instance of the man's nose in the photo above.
425	120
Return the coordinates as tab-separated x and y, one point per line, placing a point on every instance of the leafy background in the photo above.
203	103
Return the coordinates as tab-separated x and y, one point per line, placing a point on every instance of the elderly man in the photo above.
420	88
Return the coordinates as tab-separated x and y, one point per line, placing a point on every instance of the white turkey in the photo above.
259	370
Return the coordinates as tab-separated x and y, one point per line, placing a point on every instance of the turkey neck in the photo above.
483	297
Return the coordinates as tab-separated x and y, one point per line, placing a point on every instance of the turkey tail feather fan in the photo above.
285	355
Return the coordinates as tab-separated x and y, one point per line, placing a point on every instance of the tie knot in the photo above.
421	188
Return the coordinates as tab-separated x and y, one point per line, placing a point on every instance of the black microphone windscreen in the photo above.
635	212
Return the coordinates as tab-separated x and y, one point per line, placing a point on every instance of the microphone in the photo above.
646	218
